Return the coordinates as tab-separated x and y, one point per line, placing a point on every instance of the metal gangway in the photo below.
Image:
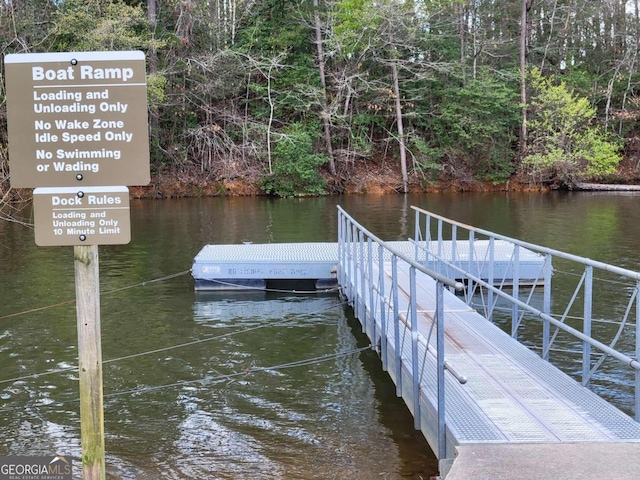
452	346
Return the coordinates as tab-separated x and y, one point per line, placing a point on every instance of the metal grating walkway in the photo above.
511	396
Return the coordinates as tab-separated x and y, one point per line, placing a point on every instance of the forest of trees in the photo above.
301	95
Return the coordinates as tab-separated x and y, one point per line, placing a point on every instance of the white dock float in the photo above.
314	265
251	266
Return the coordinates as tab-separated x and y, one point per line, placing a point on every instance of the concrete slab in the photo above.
549	461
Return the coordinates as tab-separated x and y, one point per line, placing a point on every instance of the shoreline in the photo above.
604	187
380	180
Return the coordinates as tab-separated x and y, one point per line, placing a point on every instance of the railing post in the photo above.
341	247
586	347
372	313
490	278
637	372
414	348
442	444
427	240
516	290
439	269
416	236
454	250
347	259
354	267
546	307
360	281
396	324
383	308
470	287
353	251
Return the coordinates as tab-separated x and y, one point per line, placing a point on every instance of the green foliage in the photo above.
476	123
281	47
424	157
156	90
100	25
275	27
295	165
354	17
578	81
564	145
600	154
247	66
24	24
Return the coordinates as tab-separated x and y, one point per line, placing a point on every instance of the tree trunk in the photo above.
462	31
523	73
550	35
271	115
403	153
565	39
152	17
325	114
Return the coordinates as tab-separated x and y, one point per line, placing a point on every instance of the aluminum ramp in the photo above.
511	394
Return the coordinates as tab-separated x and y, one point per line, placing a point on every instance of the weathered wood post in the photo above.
89	361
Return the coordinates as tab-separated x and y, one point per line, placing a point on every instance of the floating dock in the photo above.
313	266
253	266
488	406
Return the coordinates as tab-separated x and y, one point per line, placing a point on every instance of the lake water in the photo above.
178	401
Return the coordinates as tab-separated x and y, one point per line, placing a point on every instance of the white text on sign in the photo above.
87	72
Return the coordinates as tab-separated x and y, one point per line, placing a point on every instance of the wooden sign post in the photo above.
87	278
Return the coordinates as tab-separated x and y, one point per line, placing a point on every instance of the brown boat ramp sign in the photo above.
77	119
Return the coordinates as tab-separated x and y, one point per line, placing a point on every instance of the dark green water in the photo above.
337	418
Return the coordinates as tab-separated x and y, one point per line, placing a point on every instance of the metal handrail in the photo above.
395	252
537	248
631	362
355	260
585	284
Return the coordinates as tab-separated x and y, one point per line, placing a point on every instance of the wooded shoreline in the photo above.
307	97
377	183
